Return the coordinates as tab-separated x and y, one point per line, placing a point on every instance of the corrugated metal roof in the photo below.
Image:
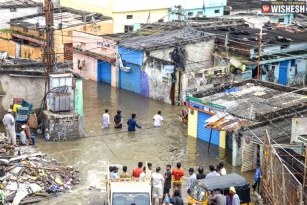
225	122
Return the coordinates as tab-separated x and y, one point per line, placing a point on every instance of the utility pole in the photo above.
259	54
49	55
178	44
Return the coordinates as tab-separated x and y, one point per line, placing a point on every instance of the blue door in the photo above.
131	80
283	72
204	133
104	71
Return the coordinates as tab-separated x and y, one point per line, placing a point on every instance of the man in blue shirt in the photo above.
257	178
132	123
113	174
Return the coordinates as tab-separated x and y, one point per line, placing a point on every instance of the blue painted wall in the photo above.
204	133
104	71
209	12
131	56
283	72
287	18
131	80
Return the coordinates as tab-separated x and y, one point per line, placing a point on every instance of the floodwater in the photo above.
168	144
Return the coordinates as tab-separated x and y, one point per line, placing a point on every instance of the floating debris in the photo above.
28	176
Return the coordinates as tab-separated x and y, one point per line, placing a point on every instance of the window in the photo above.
129	16
284	46
161	20
198	75
128	28
13	9
200	13
25	29
190	13
217	11
281	20
69	33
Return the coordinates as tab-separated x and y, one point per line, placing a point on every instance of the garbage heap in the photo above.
28	176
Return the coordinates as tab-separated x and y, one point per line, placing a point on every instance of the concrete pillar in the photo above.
223	139
236	152
114	75
192	124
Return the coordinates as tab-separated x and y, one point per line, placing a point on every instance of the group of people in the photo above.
161	183
26	137
132	124
171	179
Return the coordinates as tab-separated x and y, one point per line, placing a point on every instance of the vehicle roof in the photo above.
223	182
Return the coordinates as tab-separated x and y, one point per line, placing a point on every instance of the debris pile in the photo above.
28	176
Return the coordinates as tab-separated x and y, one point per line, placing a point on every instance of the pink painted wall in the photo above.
96	44
90	66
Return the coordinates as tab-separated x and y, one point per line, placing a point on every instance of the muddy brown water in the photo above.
168	144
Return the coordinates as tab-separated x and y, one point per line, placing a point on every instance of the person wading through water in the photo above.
118	120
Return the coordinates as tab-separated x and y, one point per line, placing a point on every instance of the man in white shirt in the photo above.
223	170
157	183
22	137
212	172
158	119
105	119
9	123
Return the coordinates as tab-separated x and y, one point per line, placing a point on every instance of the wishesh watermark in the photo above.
284	7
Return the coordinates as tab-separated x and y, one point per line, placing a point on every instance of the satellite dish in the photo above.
93	20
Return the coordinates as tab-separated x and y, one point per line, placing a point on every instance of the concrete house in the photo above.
239	113
283	52
15	9
124	13
200	8
94	57
29	31
163	66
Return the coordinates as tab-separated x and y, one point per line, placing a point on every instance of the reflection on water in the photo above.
168	144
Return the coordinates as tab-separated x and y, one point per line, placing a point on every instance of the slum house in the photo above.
264	105
95	55
220	72
17	8
242	6
25	79
200	9
29	35
283	52
162	66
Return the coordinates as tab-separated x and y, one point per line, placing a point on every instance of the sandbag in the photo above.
33	121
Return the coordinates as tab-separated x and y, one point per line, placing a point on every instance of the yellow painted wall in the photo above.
30	52
8	46
223	139
120	18
192	124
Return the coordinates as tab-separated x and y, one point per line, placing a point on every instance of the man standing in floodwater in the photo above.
158	119
132	123
118	120
105	119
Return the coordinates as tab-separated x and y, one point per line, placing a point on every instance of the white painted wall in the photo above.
31	89
6	15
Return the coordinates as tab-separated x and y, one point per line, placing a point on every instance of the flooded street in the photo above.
168	144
